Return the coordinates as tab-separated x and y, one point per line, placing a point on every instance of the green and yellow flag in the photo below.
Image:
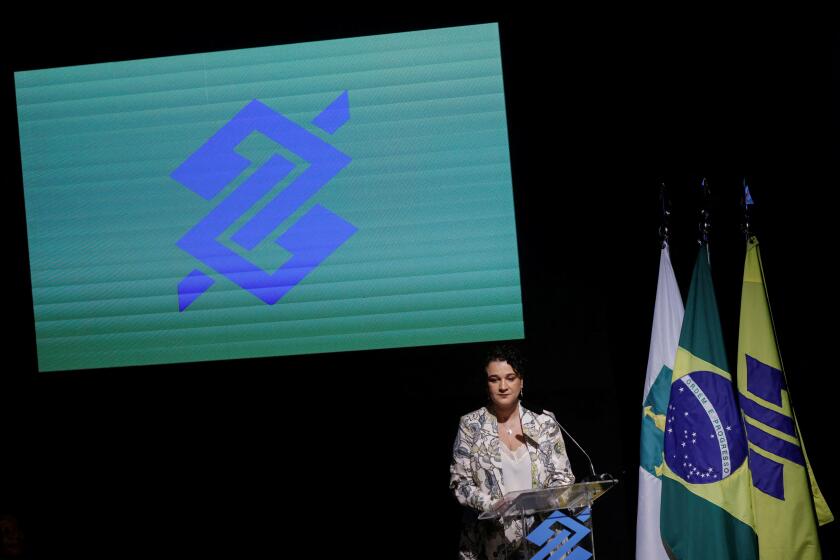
786	508
705	511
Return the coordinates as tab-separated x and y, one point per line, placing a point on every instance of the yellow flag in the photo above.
787	503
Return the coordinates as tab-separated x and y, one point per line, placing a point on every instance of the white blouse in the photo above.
516	468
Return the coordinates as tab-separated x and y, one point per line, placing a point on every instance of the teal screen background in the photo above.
434	259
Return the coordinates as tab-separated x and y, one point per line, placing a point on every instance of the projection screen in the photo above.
314	197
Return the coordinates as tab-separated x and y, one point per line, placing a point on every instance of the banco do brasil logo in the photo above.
309	240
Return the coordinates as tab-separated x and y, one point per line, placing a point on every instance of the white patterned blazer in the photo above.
476	471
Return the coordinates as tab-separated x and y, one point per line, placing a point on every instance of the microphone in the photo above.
594	477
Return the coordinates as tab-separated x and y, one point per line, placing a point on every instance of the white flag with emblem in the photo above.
667	322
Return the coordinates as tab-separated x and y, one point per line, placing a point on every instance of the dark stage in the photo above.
207	457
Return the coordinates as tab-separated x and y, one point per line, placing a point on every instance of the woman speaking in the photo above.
499	448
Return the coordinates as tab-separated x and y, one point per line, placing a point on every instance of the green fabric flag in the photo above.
787	510
705	511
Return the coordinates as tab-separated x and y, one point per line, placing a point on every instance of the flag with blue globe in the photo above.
705	509
703	435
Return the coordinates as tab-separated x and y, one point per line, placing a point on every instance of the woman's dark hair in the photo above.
506	353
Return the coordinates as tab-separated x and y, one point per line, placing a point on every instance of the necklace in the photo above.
509	430
507	425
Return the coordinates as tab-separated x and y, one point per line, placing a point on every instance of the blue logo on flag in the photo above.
704	438
310	239
573	531
767	382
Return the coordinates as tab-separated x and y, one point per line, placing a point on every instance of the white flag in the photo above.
664	339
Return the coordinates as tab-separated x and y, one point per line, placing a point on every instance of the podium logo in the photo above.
309	240
562	543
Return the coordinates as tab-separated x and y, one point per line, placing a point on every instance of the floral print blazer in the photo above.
476	470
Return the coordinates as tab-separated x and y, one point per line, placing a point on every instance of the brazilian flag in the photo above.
787	502
705	510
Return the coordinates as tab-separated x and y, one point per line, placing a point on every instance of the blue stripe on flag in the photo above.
765	381
767	475
766	416
775	445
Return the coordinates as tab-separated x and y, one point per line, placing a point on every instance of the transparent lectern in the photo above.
556	522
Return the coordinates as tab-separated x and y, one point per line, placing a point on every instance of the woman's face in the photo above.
503	384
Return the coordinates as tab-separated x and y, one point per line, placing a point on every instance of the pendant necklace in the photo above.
509	430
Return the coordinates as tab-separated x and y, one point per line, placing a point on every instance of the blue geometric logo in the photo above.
567	539
767	382
309	240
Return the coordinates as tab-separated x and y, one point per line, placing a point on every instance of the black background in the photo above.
349	452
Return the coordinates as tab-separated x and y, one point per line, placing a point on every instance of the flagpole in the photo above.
746	204
665	217
705	224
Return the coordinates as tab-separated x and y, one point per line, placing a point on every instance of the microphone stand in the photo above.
593	477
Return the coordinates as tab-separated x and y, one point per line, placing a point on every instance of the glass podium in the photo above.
556	522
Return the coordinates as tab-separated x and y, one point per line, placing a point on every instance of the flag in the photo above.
665	335
785	509
705	508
